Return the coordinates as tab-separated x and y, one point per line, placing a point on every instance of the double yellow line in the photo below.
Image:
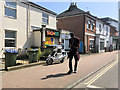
101	73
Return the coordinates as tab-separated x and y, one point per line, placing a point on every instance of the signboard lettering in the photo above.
52	33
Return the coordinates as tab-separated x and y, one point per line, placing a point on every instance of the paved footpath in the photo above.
54	76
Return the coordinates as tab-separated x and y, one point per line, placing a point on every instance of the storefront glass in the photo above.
49	41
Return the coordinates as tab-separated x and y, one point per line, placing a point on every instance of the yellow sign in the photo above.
49	41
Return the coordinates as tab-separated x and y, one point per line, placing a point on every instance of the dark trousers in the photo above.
70	62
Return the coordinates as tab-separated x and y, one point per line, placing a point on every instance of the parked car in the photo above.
57	54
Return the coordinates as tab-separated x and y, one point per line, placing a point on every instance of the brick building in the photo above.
82	23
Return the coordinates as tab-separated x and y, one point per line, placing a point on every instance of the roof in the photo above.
40	7
108	19
73	10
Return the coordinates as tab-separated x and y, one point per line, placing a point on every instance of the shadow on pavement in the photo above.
55	75
51	64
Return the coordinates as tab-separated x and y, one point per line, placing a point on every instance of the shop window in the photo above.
62	40
45	18
10	9
10	39
88	24
66	43
91	44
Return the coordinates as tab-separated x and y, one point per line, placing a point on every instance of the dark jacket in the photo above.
74	47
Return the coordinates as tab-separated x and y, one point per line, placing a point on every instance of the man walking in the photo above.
74	51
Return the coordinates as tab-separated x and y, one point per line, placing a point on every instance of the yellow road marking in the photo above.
101	73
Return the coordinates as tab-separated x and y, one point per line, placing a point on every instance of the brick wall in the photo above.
76	24
73	24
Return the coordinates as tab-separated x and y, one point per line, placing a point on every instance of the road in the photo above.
105	78
54	76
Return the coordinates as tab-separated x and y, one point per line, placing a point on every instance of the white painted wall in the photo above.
19	25
37	38
25	37
119	20
102	34
97	27
1	41
107	36
36	18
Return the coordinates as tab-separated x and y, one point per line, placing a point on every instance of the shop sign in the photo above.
52	33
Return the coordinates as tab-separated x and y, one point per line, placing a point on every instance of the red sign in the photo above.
50	33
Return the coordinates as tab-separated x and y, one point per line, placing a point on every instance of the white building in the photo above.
17	22
102	35
114	23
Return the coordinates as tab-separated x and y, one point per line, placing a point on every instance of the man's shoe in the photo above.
75	72
69	72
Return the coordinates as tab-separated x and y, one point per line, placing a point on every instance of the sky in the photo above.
99	9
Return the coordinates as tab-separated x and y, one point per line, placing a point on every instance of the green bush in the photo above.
39	54
46	52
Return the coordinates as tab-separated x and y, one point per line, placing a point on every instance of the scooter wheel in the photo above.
62	60
49	62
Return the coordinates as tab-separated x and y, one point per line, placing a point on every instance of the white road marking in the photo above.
92	86
101	73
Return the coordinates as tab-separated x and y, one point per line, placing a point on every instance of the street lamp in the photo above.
43	37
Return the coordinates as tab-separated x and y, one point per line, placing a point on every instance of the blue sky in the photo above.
99	9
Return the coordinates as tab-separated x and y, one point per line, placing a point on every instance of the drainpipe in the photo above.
43	37
28	24
83	33
60	36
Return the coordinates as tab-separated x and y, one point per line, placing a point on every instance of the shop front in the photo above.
51	37
115	43
65	36
89	44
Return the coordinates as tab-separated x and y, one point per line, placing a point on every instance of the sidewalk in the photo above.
54	76
25	63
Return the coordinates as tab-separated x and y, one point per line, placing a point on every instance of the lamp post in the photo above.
43	37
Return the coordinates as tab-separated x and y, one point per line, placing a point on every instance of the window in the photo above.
92	26
106	30
100	28
88	24
10	9
10	38
44	18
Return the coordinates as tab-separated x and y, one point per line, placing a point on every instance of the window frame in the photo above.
88	24
8	7
100	27
92	25
8	38
106	30
46	18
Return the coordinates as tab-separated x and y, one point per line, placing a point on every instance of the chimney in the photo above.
72	4
88	12
75	4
